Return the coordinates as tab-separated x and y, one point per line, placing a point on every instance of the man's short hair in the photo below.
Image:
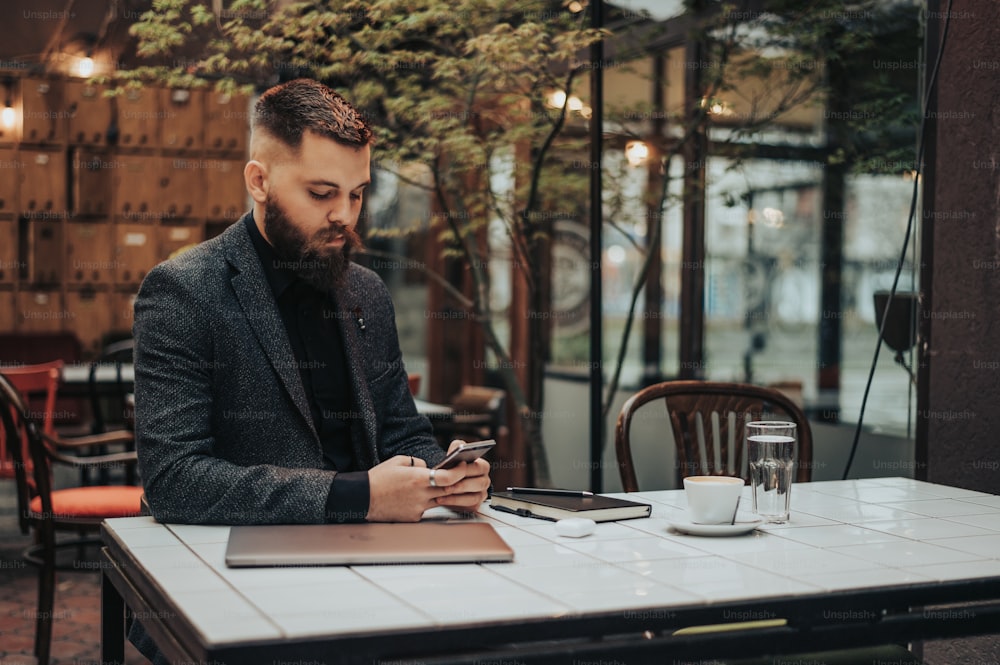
289	109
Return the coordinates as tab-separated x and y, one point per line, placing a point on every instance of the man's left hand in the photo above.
469	493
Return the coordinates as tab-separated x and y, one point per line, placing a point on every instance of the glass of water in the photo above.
771	458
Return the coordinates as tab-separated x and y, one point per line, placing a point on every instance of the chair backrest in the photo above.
116	354
707	420
41	381
29	463
37	386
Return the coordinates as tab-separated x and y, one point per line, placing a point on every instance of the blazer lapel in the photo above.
262	316
352	326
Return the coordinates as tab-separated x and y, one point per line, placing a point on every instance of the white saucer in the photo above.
737	529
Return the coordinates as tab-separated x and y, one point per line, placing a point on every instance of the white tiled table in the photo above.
854	559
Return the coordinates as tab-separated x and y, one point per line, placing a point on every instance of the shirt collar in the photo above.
279	275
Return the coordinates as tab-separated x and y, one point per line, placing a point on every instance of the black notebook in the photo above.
556	507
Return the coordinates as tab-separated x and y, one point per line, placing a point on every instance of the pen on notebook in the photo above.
537	490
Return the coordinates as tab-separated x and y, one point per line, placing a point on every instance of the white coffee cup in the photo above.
712	499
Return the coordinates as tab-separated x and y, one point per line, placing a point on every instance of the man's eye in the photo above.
319	196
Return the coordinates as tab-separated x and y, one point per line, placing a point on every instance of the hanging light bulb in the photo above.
636	152
85	67
556	99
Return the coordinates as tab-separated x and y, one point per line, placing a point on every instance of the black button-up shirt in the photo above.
310	319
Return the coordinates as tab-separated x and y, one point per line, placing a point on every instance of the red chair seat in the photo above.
93	502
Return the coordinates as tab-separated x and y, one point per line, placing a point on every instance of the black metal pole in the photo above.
656	170
691	347
929	169
830	330
596	219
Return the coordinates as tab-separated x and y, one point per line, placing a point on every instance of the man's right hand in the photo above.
400	492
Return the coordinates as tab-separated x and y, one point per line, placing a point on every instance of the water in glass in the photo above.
771	461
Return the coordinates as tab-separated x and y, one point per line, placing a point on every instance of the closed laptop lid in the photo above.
377	543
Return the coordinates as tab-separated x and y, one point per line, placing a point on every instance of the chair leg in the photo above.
81	549
46	601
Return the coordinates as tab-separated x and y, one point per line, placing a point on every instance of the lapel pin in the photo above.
357	315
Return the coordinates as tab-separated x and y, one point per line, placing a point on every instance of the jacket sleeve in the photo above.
184	479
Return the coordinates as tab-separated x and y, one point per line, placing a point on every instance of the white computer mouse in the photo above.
575	527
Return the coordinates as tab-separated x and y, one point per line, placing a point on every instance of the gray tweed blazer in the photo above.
223	428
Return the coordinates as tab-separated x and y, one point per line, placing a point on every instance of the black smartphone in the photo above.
467	452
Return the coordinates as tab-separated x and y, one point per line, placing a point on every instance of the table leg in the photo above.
112	623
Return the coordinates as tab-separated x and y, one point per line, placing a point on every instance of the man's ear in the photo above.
255	177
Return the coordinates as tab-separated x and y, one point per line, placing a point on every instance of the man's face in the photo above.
312	208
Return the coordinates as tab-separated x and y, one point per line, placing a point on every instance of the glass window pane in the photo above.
878	206
762	284
762	271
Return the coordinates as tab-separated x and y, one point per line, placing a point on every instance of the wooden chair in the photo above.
46	510
39	386
707	420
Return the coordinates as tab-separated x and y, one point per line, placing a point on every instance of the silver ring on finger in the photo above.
431	478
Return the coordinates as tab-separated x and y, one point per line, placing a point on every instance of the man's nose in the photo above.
340	212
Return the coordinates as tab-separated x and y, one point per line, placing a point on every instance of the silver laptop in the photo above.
352	544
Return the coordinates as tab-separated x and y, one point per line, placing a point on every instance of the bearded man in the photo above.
270	386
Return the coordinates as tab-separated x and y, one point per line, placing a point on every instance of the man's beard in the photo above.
320	265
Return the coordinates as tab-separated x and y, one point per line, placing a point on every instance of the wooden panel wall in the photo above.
96	190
